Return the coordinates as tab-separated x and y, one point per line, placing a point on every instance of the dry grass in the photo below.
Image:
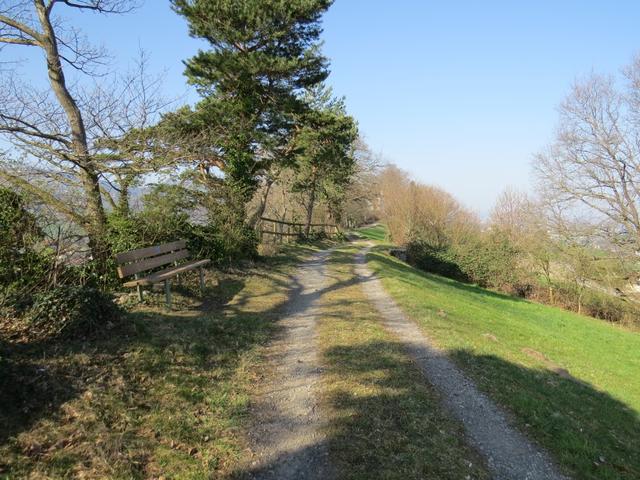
164	396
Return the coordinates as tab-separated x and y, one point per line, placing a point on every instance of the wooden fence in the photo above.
280	231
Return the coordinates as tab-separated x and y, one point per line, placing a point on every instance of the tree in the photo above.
263	53
324	147
414	211
592	170
48	127
525	223
20	262
362	194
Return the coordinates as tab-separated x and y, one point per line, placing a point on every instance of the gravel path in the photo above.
509	455
287	440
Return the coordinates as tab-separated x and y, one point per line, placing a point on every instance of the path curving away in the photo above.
509	454
288	441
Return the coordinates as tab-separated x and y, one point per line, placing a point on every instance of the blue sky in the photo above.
459	93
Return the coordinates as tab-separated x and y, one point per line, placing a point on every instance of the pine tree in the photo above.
263	54
324	146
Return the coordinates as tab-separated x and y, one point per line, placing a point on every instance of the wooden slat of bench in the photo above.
167	273
150	263
141	253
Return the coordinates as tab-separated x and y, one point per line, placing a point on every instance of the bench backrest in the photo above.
143	259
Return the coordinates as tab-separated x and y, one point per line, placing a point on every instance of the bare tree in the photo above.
592	170
48	127
413	210
362	194
525	222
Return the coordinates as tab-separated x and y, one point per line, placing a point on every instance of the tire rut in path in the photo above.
509	454
287	438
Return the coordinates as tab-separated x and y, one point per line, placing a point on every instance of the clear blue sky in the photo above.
459	93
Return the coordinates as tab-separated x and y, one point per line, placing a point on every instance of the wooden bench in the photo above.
137	262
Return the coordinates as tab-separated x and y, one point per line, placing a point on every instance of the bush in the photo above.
167	215
487	261
596	304
71	311
440	260
24	264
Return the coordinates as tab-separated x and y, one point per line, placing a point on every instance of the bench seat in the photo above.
162	275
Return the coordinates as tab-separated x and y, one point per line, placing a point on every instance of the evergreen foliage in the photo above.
263	53
324	146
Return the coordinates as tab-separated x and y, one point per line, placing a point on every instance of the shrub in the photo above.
440	260
488	261
24	264
71	311
168	215
223	243
596	303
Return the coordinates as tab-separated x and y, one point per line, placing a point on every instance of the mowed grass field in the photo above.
571	382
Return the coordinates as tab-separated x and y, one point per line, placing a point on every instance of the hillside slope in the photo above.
570	381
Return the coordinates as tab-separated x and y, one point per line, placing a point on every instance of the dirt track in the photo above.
288	440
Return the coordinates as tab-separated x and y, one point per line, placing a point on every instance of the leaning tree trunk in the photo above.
310	205
255	220
95	218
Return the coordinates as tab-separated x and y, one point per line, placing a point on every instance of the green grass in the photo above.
375	232
589	420
166	394
385	421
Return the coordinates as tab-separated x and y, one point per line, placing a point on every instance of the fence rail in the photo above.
283	222
283	230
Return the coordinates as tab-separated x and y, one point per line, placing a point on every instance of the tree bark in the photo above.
124	207
255	221
310	204
94	219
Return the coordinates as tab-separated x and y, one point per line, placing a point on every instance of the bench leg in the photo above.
201	272
139	289
178	277
167	293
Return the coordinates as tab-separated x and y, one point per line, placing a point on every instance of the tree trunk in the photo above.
580	302
310	204
96	221
124	208
95	218
263	204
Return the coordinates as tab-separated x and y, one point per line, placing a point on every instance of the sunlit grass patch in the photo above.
375	232
570	381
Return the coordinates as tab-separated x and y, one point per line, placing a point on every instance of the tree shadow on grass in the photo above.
184	348
28	389
404	432
590	433
182	351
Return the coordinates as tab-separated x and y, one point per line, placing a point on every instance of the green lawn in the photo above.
589	419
